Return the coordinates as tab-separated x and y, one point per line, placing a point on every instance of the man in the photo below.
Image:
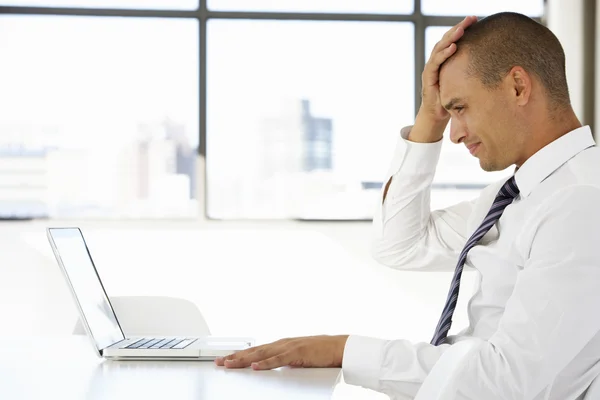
533	238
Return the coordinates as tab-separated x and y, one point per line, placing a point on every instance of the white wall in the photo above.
565	19
572	23
597	69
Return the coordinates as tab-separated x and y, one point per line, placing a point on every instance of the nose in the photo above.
457	131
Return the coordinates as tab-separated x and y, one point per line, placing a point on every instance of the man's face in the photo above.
483	119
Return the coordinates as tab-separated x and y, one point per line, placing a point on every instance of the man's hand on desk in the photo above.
312	351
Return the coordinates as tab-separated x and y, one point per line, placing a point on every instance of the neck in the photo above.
548	129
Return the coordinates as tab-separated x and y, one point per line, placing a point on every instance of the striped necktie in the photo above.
504	197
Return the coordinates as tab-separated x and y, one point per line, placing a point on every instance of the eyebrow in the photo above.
452	103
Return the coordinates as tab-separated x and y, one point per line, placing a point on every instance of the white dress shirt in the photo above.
537	304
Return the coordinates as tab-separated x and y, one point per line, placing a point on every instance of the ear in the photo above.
520	82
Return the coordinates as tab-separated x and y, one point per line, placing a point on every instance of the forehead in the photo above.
455	80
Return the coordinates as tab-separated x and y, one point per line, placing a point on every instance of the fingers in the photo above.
220	361
454	33
243	353
449	37
443	50
245	358
280	360
432	68
257	356
468	21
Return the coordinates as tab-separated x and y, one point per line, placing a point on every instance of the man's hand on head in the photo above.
308	352
432	118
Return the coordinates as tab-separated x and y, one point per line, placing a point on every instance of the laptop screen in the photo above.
81	274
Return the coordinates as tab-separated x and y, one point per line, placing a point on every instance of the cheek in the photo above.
502	142
488	125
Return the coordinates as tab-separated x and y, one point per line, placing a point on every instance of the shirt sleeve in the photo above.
406	234
394	367
549	319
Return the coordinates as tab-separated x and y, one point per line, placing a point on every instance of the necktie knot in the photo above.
509	190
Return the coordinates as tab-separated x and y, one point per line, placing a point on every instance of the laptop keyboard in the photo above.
158	343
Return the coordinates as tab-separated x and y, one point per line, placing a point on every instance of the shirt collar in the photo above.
549	158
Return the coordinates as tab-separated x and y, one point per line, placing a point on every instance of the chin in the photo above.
491	166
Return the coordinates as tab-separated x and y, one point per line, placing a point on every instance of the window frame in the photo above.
202	14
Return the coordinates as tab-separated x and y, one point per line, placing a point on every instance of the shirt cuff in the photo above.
415	157
363	358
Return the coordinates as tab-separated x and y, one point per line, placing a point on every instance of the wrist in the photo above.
340	346
428	129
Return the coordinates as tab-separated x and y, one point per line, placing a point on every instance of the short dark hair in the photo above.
499	42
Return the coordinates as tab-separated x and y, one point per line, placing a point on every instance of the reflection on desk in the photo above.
65	368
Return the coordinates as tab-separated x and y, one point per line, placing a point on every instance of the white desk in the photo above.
271	283
66	368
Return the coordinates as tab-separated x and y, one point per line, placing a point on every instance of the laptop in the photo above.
101	323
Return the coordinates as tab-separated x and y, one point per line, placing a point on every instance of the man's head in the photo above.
507	75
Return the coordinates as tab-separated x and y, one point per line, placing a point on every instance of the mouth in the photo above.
473	148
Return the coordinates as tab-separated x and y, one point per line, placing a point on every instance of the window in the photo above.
332	6
111	109
532	8
302	113
100	117
134	4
